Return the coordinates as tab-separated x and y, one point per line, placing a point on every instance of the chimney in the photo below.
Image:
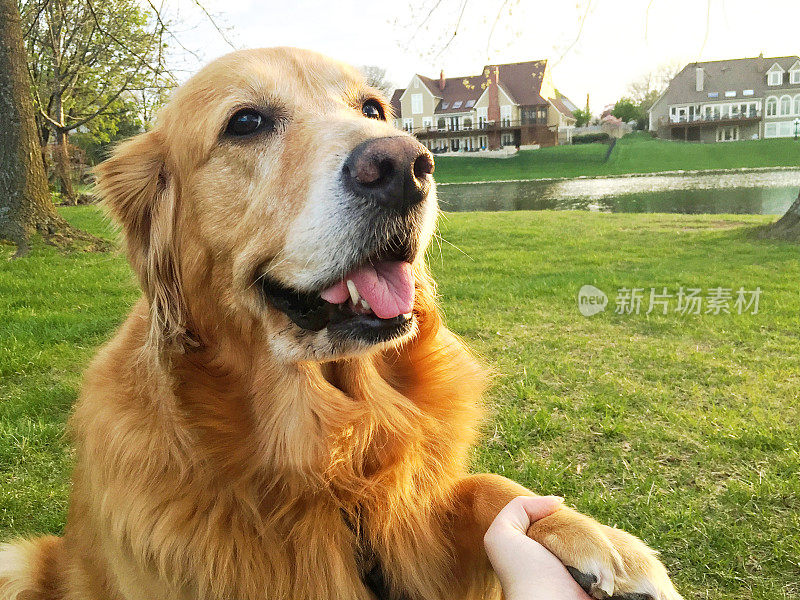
493	113
442	82
700	74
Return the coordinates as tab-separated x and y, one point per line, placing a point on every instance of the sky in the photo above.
595	47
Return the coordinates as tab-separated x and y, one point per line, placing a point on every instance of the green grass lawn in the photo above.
637	153
684	430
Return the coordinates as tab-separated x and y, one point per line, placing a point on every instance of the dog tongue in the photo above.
388	287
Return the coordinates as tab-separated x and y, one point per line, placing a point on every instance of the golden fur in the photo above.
214	460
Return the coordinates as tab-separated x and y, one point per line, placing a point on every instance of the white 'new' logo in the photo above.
591	300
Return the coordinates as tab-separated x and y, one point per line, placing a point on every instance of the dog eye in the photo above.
248	121
372	109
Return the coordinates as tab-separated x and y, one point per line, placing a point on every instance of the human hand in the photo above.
526	569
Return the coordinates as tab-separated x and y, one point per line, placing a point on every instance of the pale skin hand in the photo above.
526	569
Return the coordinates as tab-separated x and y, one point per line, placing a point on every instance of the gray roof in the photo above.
727	75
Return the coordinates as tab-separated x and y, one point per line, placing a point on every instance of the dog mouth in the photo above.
373	302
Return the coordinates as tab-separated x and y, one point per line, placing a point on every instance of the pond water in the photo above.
753	192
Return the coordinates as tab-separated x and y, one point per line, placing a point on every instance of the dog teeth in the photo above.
354	296
365	305
407	315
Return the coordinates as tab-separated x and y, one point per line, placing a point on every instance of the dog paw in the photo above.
608	563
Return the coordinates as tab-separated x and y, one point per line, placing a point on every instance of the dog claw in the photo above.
588	582
590	585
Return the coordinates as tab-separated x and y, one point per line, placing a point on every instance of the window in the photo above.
408	124
727	134
748	93
794	76
505	115
542	115
786	105
445	105
797	105
772	106
470	103
779	129
775	75
467	122
416	104
482	116
441	124
457	104
427	121
713	94
730	94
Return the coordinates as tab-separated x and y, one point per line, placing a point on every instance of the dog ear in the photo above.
138	190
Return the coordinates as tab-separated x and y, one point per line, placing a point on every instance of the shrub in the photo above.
590	138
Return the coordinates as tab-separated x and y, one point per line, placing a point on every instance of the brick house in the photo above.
729	100
506	105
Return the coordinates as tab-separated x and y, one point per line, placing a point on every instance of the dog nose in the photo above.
394	172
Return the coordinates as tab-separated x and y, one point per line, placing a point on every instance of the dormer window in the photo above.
794	73
775	75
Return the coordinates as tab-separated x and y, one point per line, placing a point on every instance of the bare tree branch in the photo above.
214	23
422	22
494	24
169	31
455	31
577	37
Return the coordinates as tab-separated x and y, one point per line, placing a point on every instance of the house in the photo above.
511	104
728	100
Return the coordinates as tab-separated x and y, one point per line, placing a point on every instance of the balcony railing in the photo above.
474	128
711	118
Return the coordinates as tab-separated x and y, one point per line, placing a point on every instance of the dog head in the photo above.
273	195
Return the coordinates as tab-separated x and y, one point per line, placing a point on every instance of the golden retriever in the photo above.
283	414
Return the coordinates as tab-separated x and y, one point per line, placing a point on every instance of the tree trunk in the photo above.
25	202
788	226
64	168
61	158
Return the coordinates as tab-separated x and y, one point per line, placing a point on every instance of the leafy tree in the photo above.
96	137
582	117
25	204
627	110
86	62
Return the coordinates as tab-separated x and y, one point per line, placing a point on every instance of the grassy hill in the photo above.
682	428
635	153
